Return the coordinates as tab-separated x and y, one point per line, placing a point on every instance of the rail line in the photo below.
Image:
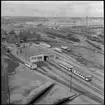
75	87
86	84
69	56
93	83
99	87
94	78
91	74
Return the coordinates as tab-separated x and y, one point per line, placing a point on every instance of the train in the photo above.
57	49
45	44
64	47
93	44
32	66
77	73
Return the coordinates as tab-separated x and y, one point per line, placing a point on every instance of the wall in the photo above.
37	58
41	57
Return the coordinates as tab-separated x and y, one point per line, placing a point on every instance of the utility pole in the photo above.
8	89
71	80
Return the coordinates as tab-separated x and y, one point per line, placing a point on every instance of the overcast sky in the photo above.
52	8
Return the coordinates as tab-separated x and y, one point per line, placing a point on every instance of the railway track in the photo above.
68	54
83	82
93	83
95	78
75	87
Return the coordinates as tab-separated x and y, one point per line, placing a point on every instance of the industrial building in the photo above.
36	53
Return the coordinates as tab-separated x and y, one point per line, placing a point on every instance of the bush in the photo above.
74	38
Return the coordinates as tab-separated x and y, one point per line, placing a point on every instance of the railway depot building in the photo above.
36	53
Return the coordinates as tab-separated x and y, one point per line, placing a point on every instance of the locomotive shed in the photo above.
36	53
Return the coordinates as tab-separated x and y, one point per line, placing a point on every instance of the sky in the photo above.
52	8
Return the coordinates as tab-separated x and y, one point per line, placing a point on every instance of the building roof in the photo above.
34	50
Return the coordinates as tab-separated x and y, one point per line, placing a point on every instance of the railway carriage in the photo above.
31	66
77	73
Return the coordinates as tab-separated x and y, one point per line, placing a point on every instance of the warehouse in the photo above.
38	53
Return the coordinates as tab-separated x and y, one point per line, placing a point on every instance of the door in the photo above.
45	58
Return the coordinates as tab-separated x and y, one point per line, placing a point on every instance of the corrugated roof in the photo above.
36	50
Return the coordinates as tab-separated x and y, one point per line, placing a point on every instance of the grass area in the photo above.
8	66
11	66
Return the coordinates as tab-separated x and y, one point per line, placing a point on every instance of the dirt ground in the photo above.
24	81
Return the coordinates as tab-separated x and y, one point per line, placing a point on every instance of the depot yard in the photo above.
81	55
84	49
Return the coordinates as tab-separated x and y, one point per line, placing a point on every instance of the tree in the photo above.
39	25
23	35
38	36
12	32
4	32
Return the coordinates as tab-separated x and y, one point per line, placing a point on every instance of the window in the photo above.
33	57
40	57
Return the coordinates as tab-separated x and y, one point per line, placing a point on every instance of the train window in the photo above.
80	74
83	76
